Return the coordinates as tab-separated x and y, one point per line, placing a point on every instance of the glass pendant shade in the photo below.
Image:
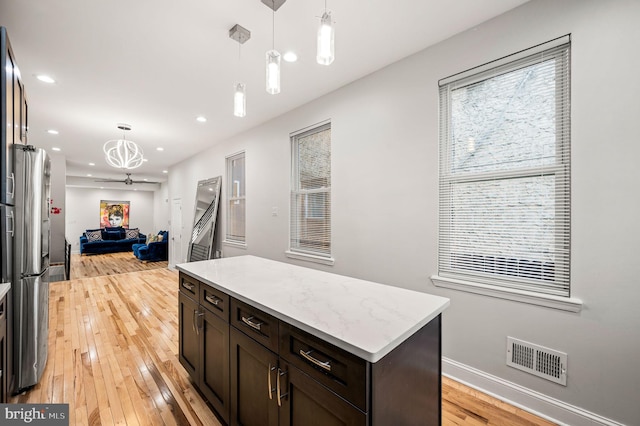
273	72
326	35
123	154
239	100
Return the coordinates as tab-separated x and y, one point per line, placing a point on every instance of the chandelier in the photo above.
121	153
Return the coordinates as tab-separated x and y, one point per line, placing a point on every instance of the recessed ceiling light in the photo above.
145	180
201	119
290	57
45	79
89	175
102	187
159	148
145	159
52	132
92	164
165	171
55	148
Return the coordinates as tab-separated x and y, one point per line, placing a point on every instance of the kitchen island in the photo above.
270	343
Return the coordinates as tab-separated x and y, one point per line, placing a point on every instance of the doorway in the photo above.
175	251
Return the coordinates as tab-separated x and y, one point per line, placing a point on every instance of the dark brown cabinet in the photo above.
268	390
254	370
278	375
3	350
204	341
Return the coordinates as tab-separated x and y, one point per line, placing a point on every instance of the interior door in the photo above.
175	248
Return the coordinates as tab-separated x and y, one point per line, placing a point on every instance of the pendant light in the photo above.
241	35
326	34
122	153
273	56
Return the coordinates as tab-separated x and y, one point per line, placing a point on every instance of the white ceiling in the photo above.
157	64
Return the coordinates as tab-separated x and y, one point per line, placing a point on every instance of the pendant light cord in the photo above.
273	29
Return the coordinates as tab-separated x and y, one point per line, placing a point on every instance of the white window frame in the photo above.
229	239
297	252
449	276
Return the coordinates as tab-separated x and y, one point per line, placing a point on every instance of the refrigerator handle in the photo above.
11	229
12	193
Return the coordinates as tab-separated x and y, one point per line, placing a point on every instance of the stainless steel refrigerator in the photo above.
30	282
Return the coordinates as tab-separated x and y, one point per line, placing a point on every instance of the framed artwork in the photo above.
114	213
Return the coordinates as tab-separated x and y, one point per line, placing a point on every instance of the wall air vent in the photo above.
538	360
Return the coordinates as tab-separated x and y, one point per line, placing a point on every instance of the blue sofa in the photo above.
108	240
153	251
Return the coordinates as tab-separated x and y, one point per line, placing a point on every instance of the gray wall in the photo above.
84	211
385	196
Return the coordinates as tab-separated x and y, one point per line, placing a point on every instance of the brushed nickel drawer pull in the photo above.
188	286
271	389
213	299
280	395
250	323
307	355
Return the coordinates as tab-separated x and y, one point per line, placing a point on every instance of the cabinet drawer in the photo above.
214	301
257	324
342	372
188	285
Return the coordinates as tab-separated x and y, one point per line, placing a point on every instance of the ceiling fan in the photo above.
127	180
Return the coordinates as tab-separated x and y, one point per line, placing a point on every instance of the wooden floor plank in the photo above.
113	354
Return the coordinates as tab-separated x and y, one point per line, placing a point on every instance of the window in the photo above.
505	173
311	194
236	204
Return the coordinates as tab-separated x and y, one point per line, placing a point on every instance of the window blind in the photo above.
236	200
505	174
311	192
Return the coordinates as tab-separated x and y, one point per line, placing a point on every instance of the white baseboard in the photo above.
529	400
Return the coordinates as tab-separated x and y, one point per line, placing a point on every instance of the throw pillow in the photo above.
112	235
160	237
94	235
152	239
132	233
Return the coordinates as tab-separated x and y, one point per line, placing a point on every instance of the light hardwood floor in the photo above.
113	344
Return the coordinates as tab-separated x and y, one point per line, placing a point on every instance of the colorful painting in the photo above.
114	213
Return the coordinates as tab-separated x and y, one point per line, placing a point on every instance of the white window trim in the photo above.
570	304
233	243
227	241
477	286
301	254
310	257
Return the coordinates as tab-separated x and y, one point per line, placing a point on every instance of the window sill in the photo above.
310	257
235	244
570	304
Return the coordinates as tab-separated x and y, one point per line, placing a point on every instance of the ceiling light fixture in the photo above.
201	119
241	35
45	79
273	56
53	132
326	34
55	148
290	56
121	153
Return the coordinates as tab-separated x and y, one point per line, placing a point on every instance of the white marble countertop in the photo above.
4	289
364	318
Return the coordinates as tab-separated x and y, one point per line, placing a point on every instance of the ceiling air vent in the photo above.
538	360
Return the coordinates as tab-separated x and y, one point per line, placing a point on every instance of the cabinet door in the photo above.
188	334
253	382
214	363
3	350
306	402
